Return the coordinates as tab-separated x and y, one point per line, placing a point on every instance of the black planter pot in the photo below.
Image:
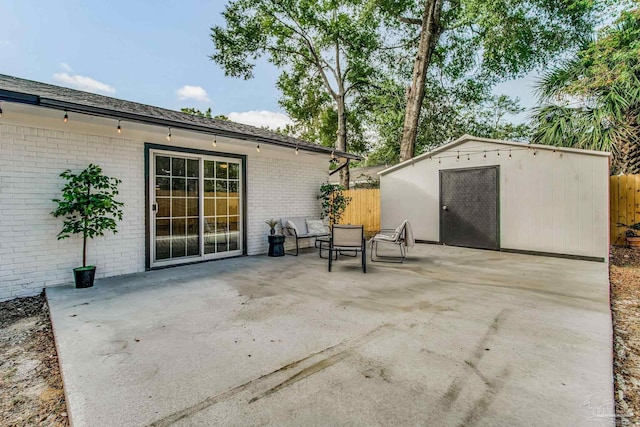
84	276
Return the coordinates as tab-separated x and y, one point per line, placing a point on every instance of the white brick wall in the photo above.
30	163
279	188
32	157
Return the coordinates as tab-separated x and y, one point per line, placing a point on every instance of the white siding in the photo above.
35	147
554	202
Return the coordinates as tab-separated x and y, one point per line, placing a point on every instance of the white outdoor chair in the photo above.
401	236
348	238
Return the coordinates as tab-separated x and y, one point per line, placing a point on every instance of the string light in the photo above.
258	148
214	143
169	135
66	117
333	154
509	154
297	151
468	157
534	152
458	157
0	111
484	156
119	127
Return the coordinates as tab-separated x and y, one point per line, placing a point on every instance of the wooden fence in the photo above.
364	208
624	205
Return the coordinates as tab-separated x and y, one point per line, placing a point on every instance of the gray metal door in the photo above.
469	207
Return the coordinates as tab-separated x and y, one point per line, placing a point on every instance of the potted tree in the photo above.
89	209
632	233
334	202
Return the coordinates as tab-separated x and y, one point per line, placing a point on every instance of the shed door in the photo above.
469	207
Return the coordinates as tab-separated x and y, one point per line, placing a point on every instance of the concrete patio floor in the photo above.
452	337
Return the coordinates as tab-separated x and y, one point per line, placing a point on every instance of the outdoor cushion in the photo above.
292	227
316	227
299	223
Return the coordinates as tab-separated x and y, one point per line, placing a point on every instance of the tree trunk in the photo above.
84	231
429	35
627	158
341	142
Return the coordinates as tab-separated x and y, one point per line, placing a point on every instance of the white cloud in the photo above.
66	67
271	119
196	93
83	83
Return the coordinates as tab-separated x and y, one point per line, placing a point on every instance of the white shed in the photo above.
501	195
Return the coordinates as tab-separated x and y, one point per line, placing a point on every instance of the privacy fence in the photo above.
624	203
364	208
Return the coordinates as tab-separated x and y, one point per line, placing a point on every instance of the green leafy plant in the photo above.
272	225
88	205
272	222
334	202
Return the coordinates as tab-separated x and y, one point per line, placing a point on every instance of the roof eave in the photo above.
467	138
25	98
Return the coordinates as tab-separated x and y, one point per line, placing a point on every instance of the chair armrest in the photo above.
292	231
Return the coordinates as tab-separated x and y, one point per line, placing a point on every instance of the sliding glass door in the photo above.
195	207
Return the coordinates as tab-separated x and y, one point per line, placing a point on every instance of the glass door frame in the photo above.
151	150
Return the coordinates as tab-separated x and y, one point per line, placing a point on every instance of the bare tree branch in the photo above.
412	21
317	59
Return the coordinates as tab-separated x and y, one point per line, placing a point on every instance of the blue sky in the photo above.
144	51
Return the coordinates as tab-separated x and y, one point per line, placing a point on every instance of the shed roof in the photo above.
14	89
470	138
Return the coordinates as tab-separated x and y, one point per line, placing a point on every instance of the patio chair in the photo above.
348	238
401	236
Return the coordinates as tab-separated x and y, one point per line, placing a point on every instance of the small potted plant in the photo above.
89	209
272	225
632	233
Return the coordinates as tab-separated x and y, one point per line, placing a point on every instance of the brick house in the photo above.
194	189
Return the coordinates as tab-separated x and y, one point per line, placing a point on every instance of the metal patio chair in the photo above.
401	236
348	238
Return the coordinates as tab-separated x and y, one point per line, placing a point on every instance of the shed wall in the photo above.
35	147
554	202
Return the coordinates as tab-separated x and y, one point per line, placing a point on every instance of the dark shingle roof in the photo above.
27	91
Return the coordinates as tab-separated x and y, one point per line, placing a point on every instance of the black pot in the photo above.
84	276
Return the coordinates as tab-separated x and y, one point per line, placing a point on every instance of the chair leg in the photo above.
389	259
330	258
294	254
364	258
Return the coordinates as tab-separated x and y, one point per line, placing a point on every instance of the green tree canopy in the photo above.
321	46
467	107
490	40
592	100
207	113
